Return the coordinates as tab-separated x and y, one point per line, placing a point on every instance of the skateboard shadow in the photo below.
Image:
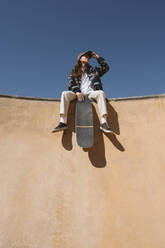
96	153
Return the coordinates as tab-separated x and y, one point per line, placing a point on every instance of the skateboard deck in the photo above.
84	123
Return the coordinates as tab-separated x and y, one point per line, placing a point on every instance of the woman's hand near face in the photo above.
80	96
94	55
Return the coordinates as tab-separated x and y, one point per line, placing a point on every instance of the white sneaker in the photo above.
104	127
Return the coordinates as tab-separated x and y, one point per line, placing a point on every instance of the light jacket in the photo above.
95	73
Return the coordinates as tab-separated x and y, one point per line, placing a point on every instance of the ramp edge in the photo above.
58	100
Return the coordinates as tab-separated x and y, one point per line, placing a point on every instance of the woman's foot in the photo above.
61	126
104	127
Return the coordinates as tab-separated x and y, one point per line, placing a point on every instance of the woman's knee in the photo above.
65	93
69	95
101	93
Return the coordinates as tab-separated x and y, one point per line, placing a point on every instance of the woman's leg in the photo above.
100	97
66	97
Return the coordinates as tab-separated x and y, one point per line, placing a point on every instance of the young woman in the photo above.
85	80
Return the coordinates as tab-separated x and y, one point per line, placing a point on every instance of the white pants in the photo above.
98	95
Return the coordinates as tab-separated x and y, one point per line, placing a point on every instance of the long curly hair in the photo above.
77	70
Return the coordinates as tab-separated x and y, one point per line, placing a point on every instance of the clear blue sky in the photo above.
41	39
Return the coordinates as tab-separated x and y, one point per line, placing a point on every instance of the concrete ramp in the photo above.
53	194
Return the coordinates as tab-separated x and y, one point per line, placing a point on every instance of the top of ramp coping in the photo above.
58	100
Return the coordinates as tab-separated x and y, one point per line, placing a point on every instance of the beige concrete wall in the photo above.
54	194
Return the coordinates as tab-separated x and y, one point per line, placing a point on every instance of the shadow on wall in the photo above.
96	153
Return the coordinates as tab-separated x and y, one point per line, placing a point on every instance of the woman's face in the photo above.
84	60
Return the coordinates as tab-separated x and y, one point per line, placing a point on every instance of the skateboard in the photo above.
84	123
